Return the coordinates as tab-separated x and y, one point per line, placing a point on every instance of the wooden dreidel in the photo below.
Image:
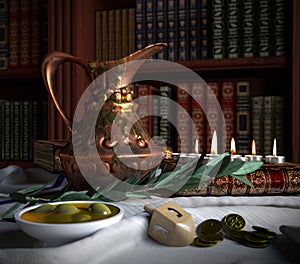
171	225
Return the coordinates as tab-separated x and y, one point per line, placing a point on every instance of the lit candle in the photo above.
254	156
214	147
274	158
234	156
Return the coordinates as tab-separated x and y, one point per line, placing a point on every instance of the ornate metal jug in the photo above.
138	140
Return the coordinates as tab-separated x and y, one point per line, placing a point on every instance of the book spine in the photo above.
26	24
257	122
266	181
233	29
182	22
194	39
204	54
140	24
4	28
279	106
212	113
44	27
111	34
26	129
279	28
243	106
104	36
124	32
248	29
7	130
228	108
36	32
98	40
2	129
144	105
171	32
165	113
150	22
118	34
183	125
14	34
16	130
131	33
268	124
161	6
218	23
264	28
155	116
198	93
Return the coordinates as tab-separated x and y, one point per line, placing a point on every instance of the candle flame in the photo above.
214	144
274	148
253	147
232	147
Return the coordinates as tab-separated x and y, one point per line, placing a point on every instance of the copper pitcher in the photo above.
114	100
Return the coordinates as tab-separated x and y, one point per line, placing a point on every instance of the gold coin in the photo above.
256	245
252	238
199	243
234	222
211	238
210	226
264	232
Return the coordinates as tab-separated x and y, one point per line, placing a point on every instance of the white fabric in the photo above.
127	242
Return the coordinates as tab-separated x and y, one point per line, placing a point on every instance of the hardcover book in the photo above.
4	41
228	109
183	124
248	28
257	104
171	31
46	154
26	32
268	124
268	180
243	106
280	20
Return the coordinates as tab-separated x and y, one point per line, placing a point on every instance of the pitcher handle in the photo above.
49	66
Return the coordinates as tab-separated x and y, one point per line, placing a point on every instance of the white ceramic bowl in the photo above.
58	234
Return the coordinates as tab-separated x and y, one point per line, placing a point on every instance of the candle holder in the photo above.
254	157
275	159
235	157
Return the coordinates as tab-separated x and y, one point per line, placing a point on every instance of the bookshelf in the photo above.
71	28
22	87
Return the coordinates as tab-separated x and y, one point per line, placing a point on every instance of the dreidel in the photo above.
171	225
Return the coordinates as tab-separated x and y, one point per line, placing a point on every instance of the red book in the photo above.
268	180
26	33
198	93
212	114
183	124
14	33
36	33
228	109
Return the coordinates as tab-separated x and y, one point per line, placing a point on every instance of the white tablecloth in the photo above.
127	242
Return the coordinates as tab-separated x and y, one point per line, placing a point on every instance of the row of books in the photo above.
199	110
201	29
23	33
114	33
21	122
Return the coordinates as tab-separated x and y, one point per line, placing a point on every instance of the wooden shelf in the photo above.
22	73
236	64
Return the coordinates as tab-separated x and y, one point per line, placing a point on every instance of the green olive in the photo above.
44	208
67	209
57	218
99	208
81	218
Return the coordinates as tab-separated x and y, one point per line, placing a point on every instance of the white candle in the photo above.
254	156
274	158
234	156
214	147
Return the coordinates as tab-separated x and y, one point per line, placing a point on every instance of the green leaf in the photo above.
231	167
10	211
243	179
18	197
248	167
32	190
